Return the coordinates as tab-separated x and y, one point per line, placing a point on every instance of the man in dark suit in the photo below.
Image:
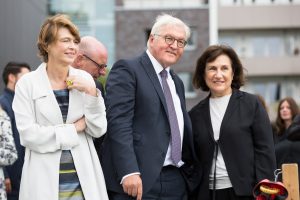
11	74
92	58
147	120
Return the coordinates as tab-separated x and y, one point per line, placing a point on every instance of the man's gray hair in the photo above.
166	19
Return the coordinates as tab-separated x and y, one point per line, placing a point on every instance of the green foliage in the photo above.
102	79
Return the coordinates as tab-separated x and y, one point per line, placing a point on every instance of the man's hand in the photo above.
132	185
8	185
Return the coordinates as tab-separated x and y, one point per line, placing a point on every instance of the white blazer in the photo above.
44	134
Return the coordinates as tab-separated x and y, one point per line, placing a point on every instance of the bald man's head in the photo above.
92	56
89	44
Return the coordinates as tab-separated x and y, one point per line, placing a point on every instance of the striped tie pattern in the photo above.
175	134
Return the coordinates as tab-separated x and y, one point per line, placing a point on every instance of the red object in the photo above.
269	190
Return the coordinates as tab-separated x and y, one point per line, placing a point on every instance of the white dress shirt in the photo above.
176	100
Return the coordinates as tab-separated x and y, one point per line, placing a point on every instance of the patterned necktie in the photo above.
175	134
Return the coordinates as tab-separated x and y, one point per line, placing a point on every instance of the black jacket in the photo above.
246	143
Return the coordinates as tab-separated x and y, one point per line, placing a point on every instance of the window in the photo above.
192	41
262	43
274	89
186	78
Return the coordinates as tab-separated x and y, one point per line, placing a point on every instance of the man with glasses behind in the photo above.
92	58
149	138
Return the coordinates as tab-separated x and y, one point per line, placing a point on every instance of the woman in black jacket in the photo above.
232	131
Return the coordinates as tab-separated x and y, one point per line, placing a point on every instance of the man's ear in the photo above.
78	59
12	78
151	37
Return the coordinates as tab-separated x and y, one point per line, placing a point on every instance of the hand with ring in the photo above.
81	84
69	82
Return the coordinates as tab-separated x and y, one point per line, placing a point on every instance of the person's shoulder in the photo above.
293	132
246	97
32	75
297	119
282	146
80	72
130	62
33	78
2	97
4	100
77	71
28	78
198	107
244	94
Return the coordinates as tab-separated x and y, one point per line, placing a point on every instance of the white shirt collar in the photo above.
157	66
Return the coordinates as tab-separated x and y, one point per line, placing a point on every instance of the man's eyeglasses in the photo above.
100	66
170	40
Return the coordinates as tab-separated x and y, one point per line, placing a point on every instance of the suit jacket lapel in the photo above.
146	63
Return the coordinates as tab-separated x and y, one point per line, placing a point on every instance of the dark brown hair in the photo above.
209	55
48	32
13	68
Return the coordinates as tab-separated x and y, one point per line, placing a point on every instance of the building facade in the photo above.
20	22
92	17
266	35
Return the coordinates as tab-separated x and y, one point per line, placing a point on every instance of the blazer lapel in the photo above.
207	118
43	93
148	67
231	108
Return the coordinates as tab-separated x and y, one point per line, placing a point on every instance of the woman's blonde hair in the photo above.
48	32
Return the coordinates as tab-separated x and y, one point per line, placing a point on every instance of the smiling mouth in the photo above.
170	52
218	82
70	53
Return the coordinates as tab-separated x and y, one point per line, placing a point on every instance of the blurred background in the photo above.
265	34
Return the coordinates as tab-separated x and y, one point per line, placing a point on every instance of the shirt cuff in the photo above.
135	173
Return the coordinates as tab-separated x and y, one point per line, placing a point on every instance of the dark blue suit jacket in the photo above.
13	171
138	128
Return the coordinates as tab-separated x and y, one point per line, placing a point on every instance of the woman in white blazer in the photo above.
58	111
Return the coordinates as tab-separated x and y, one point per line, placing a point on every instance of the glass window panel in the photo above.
258	46
275	46
186	78
192	41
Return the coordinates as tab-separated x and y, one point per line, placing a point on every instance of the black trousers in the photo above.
228	194
170	185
